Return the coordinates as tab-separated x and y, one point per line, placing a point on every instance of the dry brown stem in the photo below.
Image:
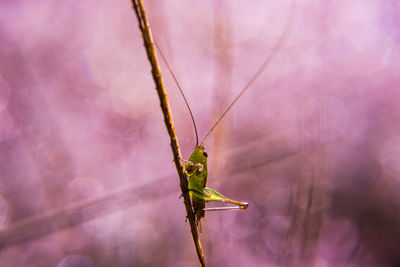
155	70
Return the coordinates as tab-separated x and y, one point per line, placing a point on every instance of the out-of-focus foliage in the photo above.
86	172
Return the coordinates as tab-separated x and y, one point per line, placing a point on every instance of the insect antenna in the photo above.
180	90
278	46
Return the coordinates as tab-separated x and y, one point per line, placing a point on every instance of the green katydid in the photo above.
196	165
196	169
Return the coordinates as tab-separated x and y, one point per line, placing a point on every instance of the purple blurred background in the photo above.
86	171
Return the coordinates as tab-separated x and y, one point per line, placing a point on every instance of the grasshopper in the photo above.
196	170
196	165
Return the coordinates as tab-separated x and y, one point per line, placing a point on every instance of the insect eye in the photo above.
205	153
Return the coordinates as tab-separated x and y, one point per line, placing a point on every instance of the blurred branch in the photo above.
55	220
264	151
155	70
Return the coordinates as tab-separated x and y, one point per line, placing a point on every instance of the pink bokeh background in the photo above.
86	171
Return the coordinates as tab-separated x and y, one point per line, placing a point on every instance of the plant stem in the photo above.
155	70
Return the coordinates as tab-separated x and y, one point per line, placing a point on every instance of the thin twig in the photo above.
70	215
155	70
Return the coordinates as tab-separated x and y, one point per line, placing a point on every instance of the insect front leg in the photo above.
192	167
